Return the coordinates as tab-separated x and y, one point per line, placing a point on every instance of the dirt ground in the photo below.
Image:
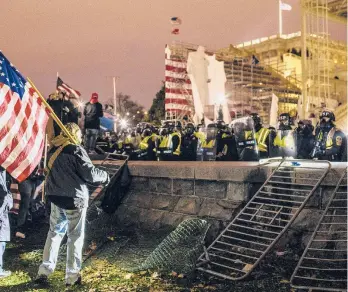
106	268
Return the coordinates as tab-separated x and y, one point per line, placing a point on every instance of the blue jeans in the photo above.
61	222
2	250
91	138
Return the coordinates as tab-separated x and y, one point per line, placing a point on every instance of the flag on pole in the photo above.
23	119
65	87
284	6
175	31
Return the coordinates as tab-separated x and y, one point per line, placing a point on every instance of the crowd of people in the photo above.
69	167
244	139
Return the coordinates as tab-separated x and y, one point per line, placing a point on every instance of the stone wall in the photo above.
165	193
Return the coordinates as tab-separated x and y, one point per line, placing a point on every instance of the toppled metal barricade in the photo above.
323	265
180	249
267	216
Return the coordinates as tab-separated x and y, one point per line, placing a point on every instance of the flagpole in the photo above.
44	166
52	113
280	19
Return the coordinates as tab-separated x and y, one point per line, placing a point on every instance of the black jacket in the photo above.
67	181
92	112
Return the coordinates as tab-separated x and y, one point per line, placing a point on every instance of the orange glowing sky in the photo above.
87	40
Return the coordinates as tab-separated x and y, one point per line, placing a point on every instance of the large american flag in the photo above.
178	85
65	87
23	119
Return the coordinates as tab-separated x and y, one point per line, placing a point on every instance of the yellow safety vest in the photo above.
329	140
261	137
177	150
200	136
128	140
166	142
209	144
287	141
144	144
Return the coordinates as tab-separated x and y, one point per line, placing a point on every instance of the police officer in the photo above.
113	145
245	140
189	143
284	142
208	145
229	148
304	139
147	147
329	141
176	140
165	145
263	137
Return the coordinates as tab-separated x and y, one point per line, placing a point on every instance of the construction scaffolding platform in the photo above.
250	87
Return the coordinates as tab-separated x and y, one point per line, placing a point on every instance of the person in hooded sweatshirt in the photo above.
68	171
93	112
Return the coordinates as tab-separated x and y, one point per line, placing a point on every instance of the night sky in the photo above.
86	41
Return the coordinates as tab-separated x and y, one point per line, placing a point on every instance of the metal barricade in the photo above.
323	265
255	230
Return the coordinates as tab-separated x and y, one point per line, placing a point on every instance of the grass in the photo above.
106	270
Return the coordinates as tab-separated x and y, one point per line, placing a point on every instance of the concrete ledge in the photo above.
164	194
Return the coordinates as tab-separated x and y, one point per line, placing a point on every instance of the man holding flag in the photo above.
23	119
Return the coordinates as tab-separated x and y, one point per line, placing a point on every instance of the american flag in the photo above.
178	86
23	119
65	87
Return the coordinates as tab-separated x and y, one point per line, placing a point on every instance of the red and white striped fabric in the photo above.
16	198
65	87
178	87
23	119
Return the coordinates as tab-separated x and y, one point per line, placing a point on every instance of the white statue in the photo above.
217	93
197	69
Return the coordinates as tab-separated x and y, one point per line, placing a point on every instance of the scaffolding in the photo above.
182	85
315	47
250	87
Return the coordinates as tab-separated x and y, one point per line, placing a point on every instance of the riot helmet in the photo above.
220	124
190	128
146	133
326	119
257	121
178	126
284	121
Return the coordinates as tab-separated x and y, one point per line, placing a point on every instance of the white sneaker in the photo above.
4	274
